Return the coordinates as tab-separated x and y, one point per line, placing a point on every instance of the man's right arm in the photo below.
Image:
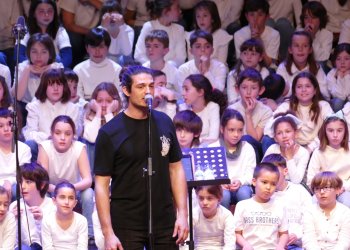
103	210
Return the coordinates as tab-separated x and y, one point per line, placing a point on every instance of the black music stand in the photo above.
203	167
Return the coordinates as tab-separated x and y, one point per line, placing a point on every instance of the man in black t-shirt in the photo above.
121	155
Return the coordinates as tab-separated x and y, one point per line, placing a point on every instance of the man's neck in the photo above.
136	113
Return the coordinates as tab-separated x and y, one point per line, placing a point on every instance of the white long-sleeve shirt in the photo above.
56	238
92	74
323	233
8	232
335	160
344	36
41	115
210	117
91	127
338	86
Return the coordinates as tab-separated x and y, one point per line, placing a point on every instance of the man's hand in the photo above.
113	243
181	229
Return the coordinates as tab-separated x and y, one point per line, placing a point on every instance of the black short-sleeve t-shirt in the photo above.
122	153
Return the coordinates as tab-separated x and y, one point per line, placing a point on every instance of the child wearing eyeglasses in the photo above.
327	223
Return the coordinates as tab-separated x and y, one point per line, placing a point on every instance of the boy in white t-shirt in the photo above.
295	197
261	221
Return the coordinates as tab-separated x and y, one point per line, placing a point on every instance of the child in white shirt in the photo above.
285	128
198	94
314	20
122	35
326	225
98	68
339	77
240	158
261	221
213	225
65	229
296	198
333	154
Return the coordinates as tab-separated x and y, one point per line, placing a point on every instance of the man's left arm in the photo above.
179	189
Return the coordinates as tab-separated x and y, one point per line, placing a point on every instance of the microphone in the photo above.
149	100
20	28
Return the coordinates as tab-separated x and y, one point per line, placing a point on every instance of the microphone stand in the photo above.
150	172
19	35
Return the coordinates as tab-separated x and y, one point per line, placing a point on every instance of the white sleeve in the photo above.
180	49
343	240
46	233
127	40
309	232
272	47
31	130
91	128
140	48
9	233
296	170
238	40
82	233
229	233
214	123
217	75
345	32
322	81
99	238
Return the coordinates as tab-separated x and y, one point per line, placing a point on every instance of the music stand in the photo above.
203	167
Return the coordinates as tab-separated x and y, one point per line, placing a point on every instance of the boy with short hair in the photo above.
98	68
296	198
157	46
257	13
188	127
34	185
255	113
260	221
7	157
201	43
